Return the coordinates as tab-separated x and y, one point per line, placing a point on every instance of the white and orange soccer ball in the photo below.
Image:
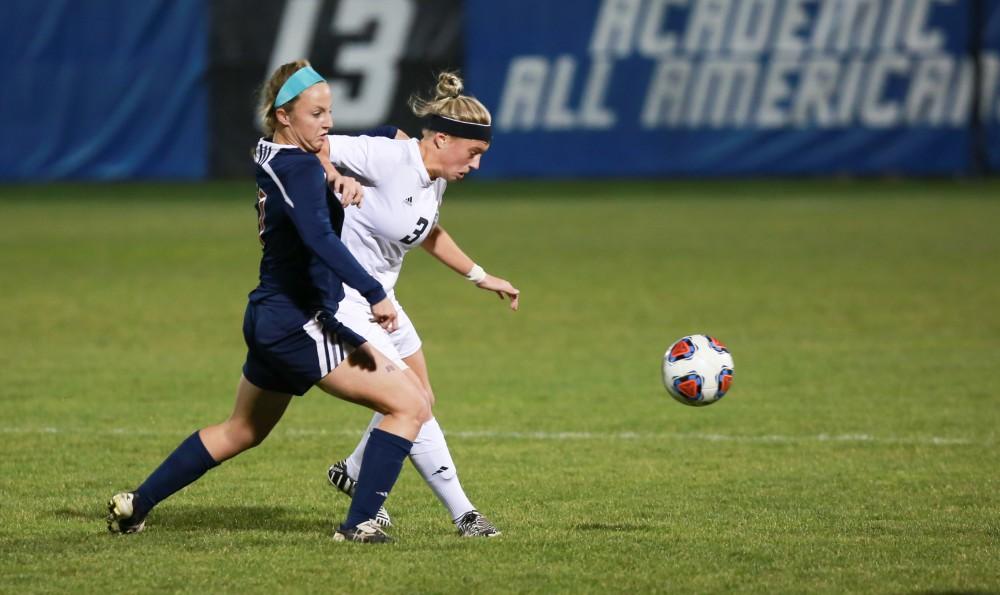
698	370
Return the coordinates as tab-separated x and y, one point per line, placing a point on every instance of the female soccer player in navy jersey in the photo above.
292	342
407	180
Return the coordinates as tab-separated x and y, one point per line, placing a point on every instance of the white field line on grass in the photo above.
542	436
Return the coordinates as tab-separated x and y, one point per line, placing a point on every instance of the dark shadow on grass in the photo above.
608	527
226	518
79	515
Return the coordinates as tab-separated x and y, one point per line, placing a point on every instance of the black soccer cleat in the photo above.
337	474
122	517
366	532
474	524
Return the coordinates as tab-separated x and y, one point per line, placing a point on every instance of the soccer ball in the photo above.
698	370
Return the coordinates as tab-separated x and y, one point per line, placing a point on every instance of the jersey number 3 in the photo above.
413	237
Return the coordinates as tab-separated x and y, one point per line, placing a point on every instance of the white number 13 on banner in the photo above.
375	60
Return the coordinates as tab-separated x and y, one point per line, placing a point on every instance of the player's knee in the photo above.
425	414
425	393
413	404
244	436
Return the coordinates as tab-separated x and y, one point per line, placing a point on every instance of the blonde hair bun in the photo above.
449	102
449	86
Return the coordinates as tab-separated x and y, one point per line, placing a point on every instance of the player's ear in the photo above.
441	140
282	116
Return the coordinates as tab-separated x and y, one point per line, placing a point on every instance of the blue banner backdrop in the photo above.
989	68
700	87
108	89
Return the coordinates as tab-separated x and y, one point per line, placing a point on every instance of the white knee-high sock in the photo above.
354	461
431	457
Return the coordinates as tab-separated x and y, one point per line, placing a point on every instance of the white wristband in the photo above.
476	275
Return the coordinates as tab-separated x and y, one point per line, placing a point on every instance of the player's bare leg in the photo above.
254	416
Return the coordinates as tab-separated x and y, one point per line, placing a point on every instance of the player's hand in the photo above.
502	287
384	313
350	190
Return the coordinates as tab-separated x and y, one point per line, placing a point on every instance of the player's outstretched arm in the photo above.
441	246
305	204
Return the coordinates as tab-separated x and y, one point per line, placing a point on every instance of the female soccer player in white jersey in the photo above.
406	180
293	342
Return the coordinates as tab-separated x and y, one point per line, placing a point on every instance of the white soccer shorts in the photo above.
403	342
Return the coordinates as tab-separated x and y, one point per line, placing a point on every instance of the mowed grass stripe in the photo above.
543	436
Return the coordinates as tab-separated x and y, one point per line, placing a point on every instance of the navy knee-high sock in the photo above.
380	467
185	465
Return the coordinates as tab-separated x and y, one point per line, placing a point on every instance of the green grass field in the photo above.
857	451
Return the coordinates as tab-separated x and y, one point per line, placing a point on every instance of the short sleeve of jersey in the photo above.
374	158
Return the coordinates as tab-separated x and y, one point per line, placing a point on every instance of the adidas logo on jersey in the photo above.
408	201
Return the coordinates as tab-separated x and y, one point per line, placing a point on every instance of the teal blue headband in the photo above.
303	78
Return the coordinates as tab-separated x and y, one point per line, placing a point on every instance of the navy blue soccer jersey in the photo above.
303	258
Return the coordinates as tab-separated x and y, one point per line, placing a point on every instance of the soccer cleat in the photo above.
474	524
366	532
121	514
337	474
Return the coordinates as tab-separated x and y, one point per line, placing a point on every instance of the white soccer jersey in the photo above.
400	204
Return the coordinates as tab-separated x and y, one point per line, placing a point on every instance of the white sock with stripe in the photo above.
431	457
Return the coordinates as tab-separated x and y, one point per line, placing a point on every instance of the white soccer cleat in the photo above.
474	524
366	532
121	510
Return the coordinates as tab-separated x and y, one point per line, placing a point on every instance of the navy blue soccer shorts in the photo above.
288	351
